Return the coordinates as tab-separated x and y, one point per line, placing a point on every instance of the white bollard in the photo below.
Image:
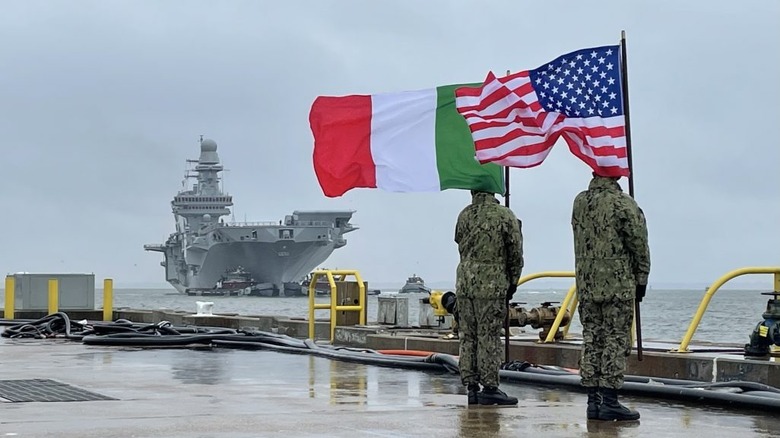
204	308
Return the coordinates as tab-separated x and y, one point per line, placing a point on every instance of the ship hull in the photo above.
262	259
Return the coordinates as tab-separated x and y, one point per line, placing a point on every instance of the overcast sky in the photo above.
101	102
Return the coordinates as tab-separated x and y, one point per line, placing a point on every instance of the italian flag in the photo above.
413	141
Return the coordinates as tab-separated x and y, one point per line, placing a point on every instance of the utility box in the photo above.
348	294
76	291
393	310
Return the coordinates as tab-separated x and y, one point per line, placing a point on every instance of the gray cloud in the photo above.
100	104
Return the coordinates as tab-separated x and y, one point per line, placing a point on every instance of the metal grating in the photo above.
45	390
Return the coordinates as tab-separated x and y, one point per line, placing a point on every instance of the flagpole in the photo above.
624	84
506	318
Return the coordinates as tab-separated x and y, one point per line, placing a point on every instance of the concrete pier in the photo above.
216	392
705	363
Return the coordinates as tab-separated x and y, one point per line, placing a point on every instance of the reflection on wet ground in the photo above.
221	392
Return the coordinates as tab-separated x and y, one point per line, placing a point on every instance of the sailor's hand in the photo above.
510	292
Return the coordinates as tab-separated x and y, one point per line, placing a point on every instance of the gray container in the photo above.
393	310
76	291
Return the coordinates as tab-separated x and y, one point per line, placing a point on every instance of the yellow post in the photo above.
53	296
10	296
108	299
312	283
333	304
777	282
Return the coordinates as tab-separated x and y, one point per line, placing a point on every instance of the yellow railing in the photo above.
705	301
53	298
570	300
334	307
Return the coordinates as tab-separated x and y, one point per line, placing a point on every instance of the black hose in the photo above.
125	333
676	392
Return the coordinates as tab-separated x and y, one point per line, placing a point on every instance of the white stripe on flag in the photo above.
601	160
403	140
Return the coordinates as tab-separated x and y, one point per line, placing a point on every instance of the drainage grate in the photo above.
45	390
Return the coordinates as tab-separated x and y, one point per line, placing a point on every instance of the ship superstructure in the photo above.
277	254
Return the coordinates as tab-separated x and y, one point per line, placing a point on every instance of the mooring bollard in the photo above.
54	295
10	295
108	299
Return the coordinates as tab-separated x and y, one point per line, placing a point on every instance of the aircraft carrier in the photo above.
273	256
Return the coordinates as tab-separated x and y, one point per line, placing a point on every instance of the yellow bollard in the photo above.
53	296
108	299
10	296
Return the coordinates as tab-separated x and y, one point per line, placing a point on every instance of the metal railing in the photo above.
705	301
333	306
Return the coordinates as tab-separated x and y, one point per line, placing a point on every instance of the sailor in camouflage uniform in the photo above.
491	259
612	263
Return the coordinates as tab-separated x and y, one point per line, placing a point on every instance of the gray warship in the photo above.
205	250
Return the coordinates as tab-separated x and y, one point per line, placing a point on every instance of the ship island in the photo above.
207	256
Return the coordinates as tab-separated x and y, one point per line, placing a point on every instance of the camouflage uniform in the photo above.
491	257
611	258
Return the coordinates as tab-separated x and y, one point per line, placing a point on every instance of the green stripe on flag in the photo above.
455	158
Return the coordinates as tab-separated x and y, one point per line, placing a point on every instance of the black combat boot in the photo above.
495	396
594	401
611	409
473	390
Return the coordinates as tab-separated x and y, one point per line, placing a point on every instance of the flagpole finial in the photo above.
623	34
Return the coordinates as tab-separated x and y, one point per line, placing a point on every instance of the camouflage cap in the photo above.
596	174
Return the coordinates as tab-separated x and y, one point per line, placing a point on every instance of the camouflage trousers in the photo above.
606	328
479	330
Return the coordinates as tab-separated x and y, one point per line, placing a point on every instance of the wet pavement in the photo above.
178	392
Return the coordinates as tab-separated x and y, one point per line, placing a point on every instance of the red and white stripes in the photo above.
510	127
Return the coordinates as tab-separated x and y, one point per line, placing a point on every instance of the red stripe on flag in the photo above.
527	150
342	143
518	132
575	142
498	95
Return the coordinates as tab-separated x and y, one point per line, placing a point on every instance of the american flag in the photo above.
515	120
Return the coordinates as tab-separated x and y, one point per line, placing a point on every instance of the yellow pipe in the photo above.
572	309
108	299
683	348
53	296
10	296
543	274
559	317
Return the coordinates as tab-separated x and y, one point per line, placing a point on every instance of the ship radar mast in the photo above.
204	202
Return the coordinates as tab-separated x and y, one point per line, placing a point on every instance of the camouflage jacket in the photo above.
490	244
610	242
